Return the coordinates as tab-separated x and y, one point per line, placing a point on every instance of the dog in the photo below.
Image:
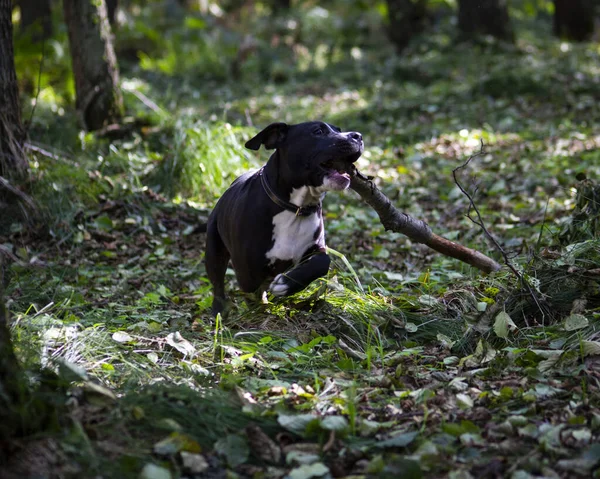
269	223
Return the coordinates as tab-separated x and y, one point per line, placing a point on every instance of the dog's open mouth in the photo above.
341	166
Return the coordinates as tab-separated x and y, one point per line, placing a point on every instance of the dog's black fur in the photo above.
253	223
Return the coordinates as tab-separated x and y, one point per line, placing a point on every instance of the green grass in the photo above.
203	160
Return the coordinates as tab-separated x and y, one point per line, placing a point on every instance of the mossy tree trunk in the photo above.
574	19
99	100
12	133
406	19
36	16
484	17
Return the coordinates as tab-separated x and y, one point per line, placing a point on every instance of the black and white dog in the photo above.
270	223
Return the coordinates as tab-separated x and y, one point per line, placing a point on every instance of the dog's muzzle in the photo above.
337	167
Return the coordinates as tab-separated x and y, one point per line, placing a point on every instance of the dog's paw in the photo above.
279	286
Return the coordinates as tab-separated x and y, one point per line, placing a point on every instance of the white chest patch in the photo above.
293	235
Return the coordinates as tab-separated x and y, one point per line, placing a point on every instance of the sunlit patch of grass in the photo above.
121	356
204	159
365	320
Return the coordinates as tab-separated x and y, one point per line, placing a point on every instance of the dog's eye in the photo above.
318	131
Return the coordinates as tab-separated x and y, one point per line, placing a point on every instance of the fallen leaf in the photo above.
590	348
299	458
152	471
71	372
263	446
427	300
464	401
176	442
317	469
122	337
177	341
193	463
400	440
503	324
576	321
335	423
234	448
296	422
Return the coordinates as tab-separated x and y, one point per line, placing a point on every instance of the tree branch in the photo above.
5	184
417	230
479	222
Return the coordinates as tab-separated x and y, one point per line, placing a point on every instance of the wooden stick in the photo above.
417	230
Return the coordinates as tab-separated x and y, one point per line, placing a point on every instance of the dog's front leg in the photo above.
301	275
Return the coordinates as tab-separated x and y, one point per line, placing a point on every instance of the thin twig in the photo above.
4	251
39	86
42	151
330	442
22	196
248	118
479	222
146	101
44	309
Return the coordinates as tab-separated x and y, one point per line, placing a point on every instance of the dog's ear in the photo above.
272	137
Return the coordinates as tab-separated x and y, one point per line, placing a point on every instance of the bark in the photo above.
99	101
484	17
574	19
417	230
111	10
36	15
12	133
406	19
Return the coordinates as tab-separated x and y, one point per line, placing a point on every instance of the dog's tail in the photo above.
201	228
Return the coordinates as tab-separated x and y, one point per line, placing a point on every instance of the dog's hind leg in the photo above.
300	276
217	258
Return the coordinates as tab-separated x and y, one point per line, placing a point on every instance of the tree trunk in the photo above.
484	17
574	19
99	100
111	10
12	134
280	6
37	15
406	19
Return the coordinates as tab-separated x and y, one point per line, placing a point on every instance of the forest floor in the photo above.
401	363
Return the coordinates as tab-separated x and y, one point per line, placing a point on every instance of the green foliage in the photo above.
178	47
204	159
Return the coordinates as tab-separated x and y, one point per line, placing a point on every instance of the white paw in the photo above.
278	287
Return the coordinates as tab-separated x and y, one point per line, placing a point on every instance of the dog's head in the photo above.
313	154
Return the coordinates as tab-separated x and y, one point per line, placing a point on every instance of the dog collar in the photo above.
298	210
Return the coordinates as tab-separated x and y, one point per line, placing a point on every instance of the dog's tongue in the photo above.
343	166
338	174
340	179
